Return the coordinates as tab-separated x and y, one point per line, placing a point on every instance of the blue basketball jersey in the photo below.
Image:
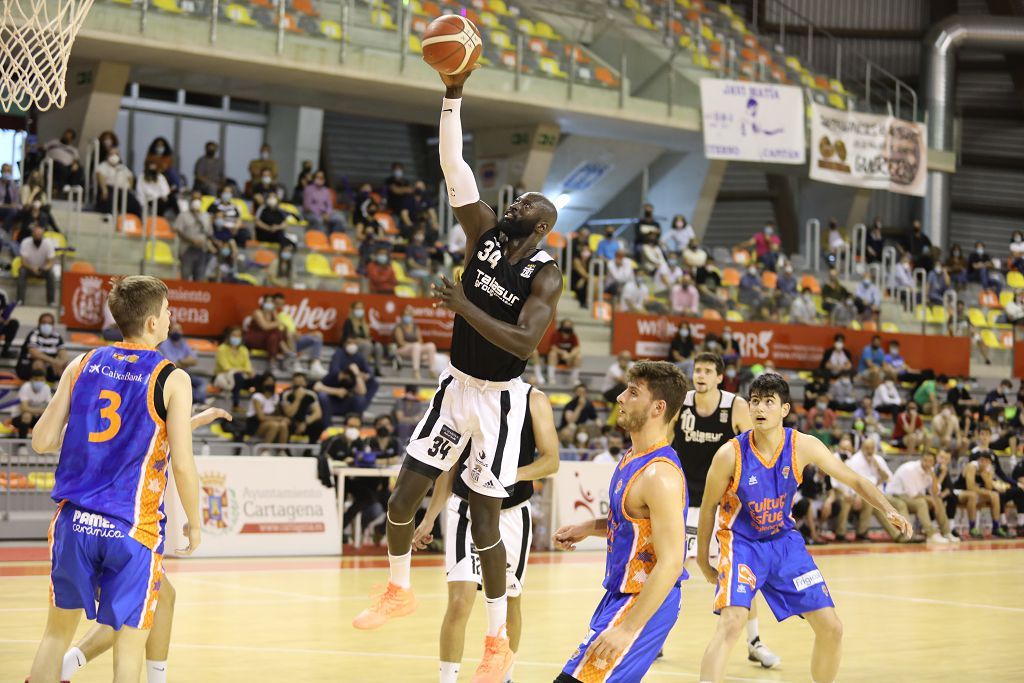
630	546
115	453
758	504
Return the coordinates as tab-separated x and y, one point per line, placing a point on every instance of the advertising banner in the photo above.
581	494
868	150
787	346
258	506
206	309
746	121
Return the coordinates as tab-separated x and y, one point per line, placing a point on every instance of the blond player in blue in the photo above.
752	482
120	416
646	532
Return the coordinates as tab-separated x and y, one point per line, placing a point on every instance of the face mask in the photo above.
225	197
351	349
614	450
822	406
160	149
46	329
6	175
382	259
894	352
351	433
383	432
266	180
37	385
398	173
268	389
195	205
264	155
979	251
684	333
407	320
272	202
174	336
808	297
358	313
114	159
211	153
268	306
581	439
726	337
648	214
752	271
768	231
286	255
226	251
730	373
235	341
37	241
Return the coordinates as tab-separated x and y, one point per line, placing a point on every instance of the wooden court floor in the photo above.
910	614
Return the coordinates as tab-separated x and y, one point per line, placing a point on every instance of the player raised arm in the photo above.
741	421
661	490
178	395
475	216
808	450
719	479
545	436
49	431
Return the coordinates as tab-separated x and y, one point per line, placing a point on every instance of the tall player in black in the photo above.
709	418
503	305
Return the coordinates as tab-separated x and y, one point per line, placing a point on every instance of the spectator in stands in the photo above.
752	292
901	279
684	298
730	350
33	397
919	246
271	222
820	416
302	408
581	273
38	257
837	359
1016	259
265	186
8	325
281	272
457	244
648	230
772	261
349	387
867	298
264	418
867	414
43	349
209	171
786	287
956	267
227	220
914	483
614	379
634	294
608	247
981	480
418	208
835	243
304	180
679	235
33	191
195	233
579	410
108	142
112	176
176	349
153	187
161	156
318	206
926	395
651	256
381	273
844	312
803	311
408	343
681	349
263	164
946	432
399	188
950	492
371	237
357	331
565	350
874	243
981	269
938	284
620	272
959	325
761	241
668	275
694	256
998	399
867	463
32	214
613	450
841	393
887	398
816	387
408	412
265	332
833	291
909	429
10	195
67	166
872	359
295	344
232	366
417	258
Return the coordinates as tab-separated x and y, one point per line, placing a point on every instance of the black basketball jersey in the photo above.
500	290
697	439
521	491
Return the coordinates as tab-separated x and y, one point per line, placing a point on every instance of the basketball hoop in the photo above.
35	43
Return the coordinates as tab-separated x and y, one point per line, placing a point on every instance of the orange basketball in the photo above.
451	44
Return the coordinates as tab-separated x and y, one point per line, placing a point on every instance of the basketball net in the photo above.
35	43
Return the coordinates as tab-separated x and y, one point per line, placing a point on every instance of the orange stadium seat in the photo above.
730	277
129	225
711	314
83	267
341	243
317	241
263	257
810	282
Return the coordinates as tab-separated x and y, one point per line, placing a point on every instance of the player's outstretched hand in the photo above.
450	295
906	529
458	80
709	572
423	536
567	537
194	538
209	415
610	644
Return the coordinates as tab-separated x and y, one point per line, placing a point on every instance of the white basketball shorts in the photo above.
461	560
490	415
692	521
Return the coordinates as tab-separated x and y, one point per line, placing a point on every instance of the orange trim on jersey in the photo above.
152	479
156	575
798	471
643	536
78	370
778	450
132	346
723	593
587	671
49	544
631	456
737	468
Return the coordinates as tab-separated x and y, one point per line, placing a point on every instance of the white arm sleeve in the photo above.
458	176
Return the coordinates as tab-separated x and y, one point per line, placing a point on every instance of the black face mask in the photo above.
269	389
37	242
383	432
174	336
614	450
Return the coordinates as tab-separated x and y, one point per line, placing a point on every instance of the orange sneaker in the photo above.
392	602
496	662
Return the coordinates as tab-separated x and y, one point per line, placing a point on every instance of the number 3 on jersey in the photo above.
109	413
491	253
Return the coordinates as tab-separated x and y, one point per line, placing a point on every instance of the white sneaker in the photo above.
951	538
759	652
316	370
938	538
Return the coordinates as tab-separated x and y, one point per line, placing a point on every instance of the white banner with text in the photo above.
746	121
581	490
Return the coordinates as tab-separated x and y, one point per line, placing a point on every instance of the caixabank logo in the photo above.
218	502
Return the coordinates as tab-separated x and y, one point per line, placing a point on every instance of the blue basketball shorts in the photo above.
780	568
634	662
96	566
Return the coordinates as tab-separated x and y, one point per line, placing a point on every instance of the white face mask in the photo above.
581	439
351	349
114	159
351	433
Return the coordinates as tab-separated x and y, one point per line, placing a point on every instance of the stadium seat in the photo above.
86	339
382	19
1005	297
82	267
711	314
351	288
206	202
602	311
341	243
405	291
989	339
263	257
160	226
159	252
993	319
556	240
769	279
498	7
870	326
594	241
1015	280
936	315
317	241
129	225
387	221
730	277
170	6
343	267
500	38
740	257
810	282
837	101
527	27
855	325
545	30
552	68
318	266
891	328
305	7
734	316
331	29
243	209
977	317
400	274
987	299
294	214
201	345
415	46
239	14
644	21
247	279
57	238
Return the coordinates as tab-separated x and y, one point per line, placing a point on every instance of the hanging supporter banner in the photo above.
868	150
746	121
787	346
581	494
258	506
206	309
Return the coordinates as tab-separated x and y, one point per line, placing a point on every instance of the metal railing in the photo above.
595	276
859	239
27	479
74	204
812	242
889	259
920	292
292	449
